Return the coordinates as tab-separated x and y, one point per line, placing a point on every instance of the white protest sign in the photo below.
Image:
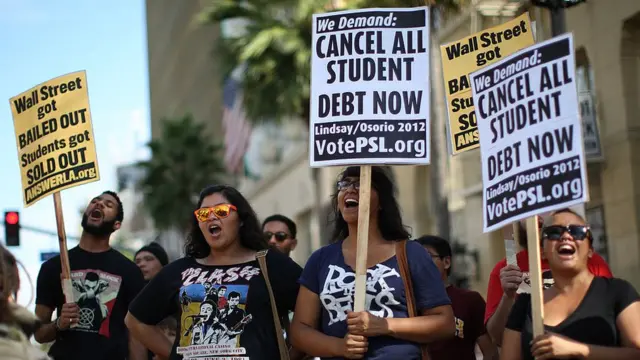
370	87
530	133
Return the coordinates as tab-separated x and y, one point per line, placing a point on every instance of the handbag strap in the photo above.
405	274
282	345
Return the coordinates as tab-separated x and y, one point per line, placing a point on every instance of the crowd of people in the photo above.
237	294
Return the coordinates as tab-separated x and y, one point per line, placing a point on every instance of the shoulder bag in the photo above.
282	344
405	273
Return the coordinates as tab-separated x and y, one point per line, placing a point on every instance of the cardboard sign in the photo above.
462	57
370	87
54	136
530	133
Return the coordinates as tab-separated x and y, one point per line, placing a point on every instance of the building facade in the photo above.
607	40
607	50
183	77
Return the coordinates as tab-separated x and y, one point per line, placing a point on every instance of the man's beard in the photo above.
104	229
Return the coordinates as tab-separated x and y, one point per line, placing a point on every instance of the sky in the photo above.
40	40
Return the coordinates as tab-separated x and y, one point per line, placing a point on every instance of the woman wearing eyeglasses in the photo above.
324	324
585	316
217	290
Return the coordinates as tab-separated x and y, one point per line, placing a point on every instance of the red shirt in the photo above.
596	264
468	307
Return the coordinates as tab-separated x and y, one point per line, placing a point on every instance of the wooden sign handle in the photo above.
67	288
535	275
362	247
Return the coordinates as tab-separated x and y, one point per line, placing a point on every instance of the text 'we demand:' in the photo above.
350	22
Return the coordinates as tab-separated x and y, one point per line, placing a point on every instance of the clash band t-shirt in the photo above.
597	266
593	322
104	284
468	309
327	275
224	312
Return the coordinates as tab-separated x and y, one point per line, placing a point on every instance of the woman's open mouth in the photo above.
350	203
214	229
566	251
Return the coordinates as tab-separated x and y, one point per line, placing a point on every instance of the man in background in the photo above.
468	308
151	259
280	232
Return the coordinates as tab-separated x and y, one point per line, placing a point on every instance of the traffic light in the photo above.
12	228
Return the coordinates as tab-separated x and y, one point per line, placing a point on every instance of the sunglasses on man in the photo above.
280	236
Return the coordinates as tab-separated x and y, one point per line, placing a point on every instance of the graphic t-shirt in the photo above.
104	284
468	309
240	327
593	322
596	264
327	275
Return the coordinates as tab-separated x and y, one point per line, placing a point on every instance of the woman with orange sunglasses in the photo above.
218	290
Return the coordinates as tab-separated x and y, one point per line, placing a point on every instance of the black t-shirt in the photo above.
593	322
223	311
104	284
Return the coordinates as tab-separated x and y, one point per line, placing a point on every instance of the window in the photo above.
587	104
595	219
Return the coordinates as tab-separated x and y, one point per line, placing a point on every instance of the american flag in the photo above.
237	129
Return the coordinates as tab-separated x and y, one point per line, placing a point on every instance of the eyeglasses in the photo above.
554	232
280	235
346	184
221	211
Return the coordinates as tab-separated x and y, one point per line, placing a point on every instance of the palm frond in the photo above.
183	161
275	46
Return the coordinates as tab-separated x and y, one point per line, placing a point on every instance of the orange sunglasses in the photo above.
221	211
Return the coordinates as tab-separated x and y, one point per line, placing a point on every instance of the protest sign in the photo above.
530	133
54	136
462	57
370	87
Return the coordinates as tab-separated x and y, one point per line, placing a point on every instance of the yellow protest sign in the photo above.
462	57
54	136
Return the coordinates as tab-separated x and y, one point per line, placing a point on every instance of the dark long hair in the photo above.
249	233
389	217
9	283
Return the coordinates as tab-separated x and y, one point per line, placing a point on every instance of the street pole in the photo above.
558	23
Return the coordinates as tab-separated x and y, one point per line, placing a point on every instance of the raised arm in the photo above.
511	345
503	285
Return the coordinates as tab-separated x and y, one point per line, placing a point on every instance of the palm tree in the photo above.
275	47
183	161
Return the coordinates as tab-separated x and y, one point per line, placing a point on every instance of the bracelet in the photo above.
57	325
